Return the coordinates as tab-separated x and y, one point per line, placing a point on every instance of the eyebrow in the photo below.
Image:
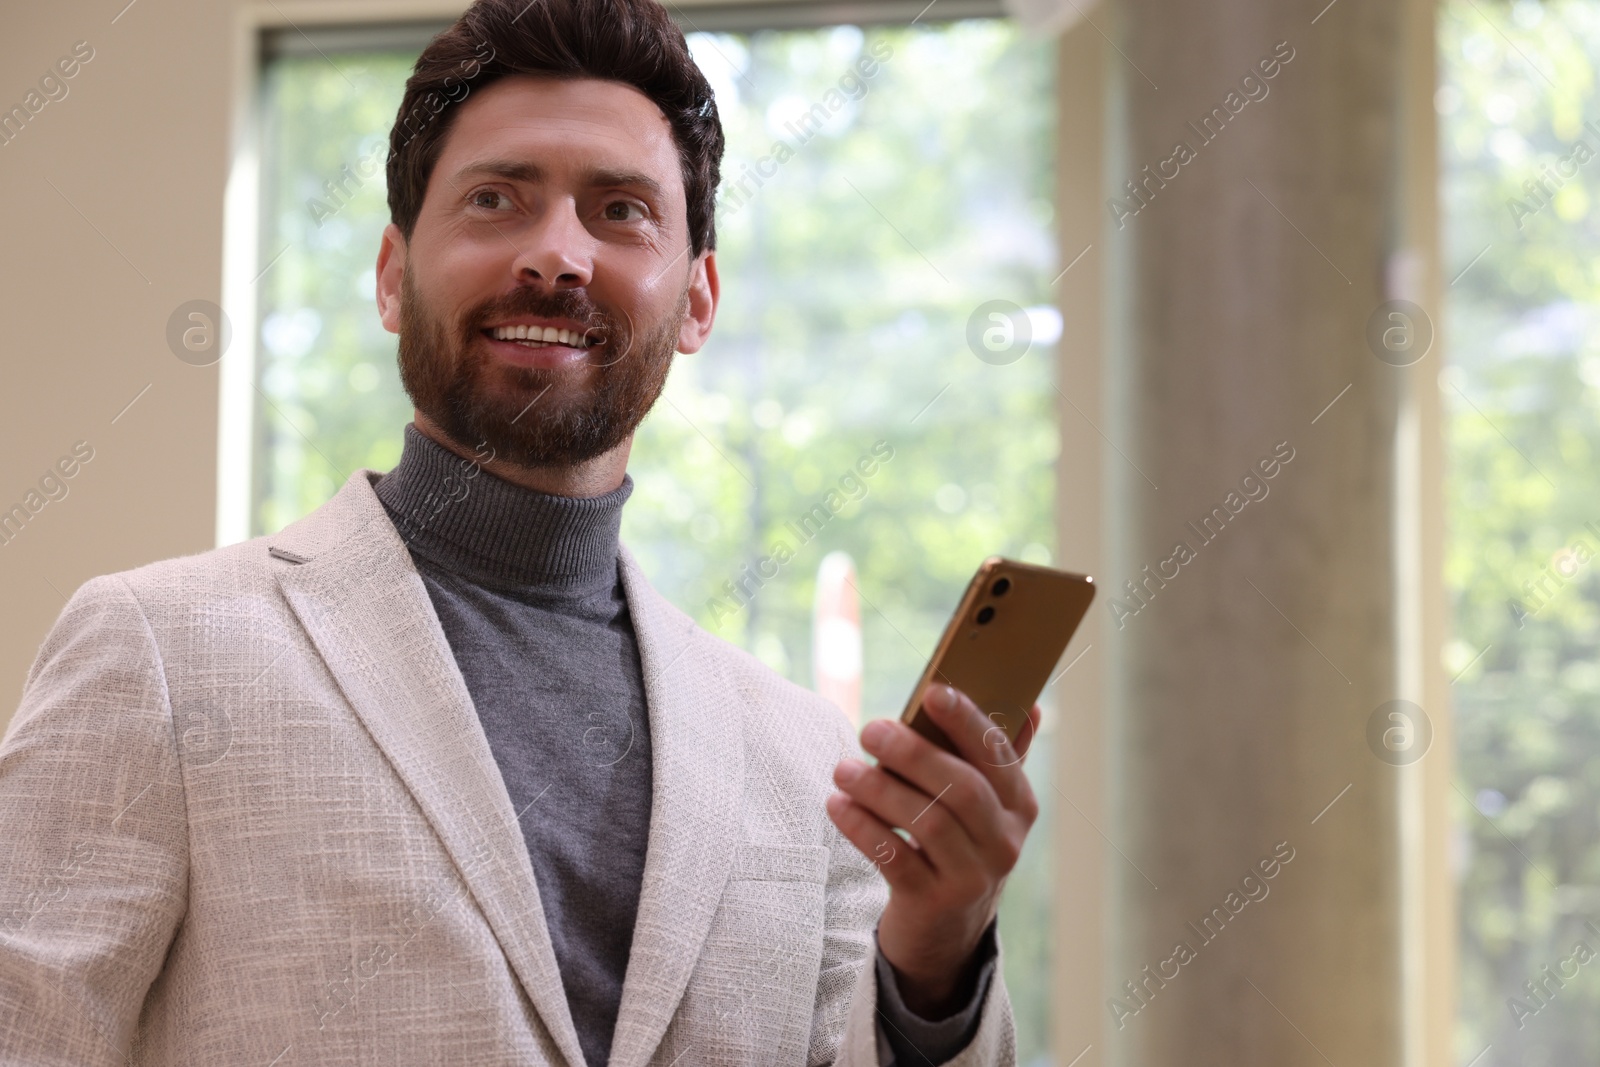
517	170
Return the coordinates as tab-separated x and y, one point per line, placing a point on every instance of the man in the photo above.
434	775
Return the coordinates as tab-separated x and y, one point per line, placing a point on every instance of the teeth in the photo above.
545	335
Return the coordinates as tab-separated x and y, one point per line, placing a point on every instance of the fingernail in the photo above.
944	697
874	733
848	771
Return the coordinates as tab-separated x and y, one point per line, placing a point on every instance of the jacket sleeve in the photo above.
93	838
846	1030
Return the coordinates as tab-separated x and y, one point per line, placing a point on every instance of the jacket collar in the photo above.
352	584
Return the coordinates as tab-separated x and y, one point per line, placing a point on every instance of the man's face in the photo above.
556	211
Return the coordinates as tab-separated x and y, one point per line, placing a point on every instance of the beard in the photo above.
534	416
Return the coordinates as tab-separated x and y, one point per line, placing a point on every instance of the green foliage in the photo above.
1517	87
329	399
849	274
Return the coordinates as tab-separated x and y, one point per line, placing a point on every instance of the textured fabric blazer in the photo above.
248	817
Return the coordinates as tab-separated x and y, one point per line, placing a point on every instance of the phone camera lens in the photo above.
985	615
999	588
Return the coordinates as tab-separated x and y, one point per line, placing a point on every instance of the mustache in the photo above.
601	327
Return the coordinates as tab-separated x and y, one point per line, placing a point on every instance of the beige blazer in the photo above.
248	816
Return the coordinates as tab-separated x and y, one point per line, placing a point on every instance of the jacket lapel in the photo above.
697	774
360	599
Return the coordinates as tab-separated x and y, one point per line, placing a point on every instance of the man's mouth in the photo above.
535	336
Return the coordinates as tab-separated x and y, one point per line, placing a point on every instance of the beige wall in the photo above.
138	147
139	150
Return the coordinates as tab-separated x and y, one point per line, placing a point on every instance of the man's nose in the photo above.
557	250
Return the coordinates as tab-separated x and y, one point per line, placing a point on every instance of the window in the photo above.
1519	109
859	264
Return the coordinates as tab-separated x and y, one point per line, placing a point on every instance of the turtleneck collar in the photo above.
472	523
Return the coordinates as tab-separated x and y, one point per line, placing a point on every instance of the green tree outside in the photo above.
1517	99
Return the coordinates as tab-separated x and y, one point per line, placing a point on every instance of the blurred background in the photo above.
1274	316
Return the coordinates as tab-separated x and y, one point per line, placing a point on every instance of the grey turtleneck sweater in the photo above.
527	588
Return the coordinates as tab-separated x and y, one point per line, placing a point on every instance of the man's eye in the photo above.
623	211
490	199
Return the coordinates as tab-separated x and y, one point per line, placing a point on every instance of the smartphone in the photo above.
1011	627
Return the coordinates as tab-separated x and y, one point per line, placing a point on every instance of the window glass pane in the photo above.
328	396
1518	102
880	187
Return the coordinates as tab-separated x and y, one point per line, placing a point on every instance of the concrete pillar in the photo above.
1243	271
1078	1017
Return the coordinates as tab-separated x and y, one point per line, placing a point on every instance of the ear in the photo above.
704	291
391	269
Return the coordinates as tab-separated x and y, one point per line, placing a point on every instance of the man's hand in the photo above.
967	818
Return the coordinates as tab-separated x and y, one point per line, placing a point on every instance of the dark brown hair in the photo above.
628	41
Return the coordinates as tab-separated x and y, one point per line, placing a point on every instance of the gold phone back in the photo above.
1004	664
